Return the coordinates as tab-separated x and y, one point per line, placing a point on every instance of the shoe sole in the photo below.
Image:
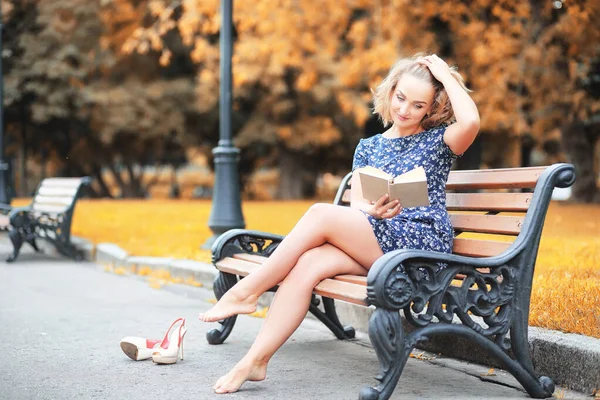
164	360
130	350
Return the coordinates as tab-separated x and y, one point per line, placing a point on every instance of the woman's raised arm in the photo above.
461	134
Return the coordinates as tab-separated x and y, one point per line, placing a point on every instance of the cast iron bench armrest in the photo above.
394	278
16	211
252	242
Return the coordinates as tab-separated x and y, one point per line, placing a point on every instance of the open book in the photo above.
410	188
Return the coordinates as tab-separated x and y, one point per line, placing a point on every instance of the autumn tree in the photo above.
303	71
89	106
309	68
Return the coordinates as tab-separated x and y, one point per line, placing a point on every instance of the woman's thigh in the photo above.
349	230
323	262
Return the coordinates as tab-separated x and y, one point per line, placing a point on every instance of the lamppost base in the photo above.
4	196
226	211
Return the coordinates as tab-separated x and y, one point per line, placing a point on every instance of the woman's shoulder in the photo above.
371	140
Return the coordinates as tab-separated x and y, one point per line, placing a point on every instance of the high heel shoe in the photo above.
171	346
138	348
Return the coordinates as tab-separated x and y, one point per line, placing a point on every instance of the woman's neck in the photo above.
395	131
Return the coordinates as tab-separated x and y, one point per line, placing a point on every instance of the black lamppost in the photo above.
226	211
4	198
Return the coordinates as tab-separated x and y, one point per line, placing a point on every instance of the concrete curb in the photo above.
86	246
571	360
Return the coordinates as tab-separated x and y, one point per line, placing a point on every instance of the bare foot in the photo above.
234	379
229	305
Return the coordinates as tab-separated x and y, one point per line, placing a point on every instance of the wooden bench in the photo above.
484	288
48	217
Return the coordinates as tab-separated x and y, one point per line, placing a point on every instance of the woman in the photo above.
432	119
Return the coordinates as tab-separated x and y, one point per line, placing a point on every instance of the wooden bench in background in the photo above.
48	217
498	216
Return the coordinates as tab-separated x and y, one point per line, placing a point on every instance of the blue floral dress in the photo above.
425	228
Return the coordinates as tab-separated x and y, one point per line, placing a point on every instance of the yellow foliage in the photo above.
262	313
566	288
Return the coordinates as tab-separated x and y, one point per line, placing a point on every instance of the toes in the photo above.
218	383
203	317
223	389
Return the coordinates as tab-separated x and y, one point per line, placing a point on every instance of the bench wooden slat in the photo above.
345	291
508	225
356	279
479	248
253	258
494	178
331	288
57	191
48	208
61	182
53	200
488	201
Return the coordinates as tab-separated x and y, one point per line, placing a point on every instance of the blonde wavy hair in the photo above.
441	110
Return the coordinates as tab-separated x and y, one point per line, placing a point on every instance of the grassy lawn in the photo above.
566	289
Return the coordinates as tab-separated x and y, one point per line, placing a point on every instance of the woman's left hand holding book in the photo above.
383	208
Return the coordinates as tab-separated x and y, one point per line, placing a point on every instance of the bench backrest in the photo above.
488	208
57	195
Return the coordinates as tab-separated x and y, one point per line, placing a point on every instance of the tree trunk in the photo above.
44	158
579	144
134	181
512	152
23	191
104	190
290	176
125	192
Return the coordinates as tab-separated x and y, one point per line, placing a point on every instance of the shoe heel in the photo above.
183	332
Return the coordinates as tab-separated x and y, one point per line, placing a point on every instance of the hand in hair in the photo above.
438	67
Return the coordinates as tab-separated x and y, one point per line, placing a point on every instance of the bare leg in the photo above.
288	309
345	228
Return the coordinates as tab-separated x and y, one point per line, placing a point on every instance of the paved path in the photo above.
61	323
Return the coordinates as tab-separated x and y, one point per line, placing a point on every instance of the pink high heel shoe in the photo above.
171	346
138	348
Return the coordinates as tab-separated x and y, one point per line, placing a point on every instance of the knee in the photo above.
318	211
308	268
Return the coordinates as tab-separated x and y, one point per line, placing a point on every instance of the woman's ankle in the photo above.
243	296
254	361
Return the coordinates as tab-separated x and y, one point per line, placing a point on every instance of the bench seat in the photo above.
349	288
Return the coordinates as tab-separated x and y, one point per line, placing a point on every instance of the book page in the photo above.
410	194
411	188
373	182
414	175
369	170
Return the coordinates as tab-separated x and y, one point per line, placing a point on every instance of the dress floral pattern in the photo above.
425	228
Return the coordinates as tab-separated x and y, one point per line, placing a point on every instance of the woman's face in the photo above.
411	100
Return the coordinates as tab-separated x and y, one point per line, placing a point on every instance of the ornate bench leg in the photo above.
330	319
33	244
387	337
541	387
17	242
222	284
